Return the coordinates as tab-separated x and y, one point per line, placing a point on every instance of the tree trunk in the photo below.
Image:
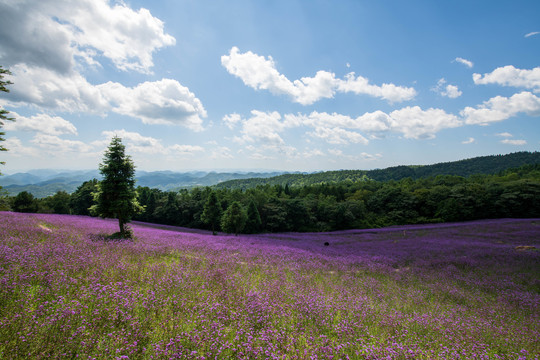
121	225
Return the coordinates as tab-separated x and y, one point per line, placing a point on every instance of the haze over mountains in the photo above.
43	183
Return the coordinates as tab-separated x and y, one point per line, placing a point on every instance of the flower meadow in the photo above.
446	291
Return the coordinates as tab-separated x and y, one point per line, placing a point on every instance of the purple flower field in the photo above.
446	291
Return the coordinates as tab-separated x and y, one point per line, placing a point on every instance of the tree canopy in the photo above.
234	219
212	212
3	112
116	196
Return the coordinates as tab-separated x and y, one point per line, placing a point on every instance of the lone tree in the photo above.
116	196
234	219
3	112
212	212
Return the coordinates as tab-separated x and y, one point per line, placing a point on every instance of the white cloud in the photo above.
62	36
311	153
361	85
134	142
514	142
42	123
263	128
451	91
185	149
58	32
138	143
231	120
159	102
257	72
16	148
416	123
470	140
261	74
533	33
412	122
48	89
509	141
221	152
511	76
501	108
376	121
370	157
56	145
338	136
465	62
335	152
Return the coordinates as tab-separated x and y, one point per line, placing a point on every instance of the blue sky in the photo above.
285	84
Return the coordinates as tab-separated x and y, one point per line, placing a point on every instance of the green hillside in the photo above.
486	165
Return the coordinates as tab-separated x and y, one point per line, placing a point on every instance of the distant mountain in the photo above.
478	165
43	183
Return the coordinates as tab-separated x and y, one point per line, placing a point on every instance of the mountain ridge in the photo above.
45	182
491	164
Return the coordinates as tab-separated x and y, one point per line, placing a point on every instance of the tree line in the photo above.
487	165
322	207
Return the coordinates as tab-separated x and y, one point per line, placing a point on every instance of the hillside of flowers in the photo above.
440	291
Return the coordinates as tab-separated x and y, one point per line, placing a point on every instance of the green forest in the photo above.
330	201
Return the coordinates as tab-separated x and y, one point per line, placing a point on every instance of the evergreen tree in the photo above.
116	196
253	223
3	113
82	200
212	212
59	202
234	219
25	202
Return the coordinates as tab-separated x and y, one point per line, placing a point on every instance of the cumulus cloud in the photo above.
500	108
42	123
260	73
416	123
505	134
45	88
56	32
465	62
443	89
158	102
263	128
533	33
62	36
469	141
361	85
338	136
511	76
411	122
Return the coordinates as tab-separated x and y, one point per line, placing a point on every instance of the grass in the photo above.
438	293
